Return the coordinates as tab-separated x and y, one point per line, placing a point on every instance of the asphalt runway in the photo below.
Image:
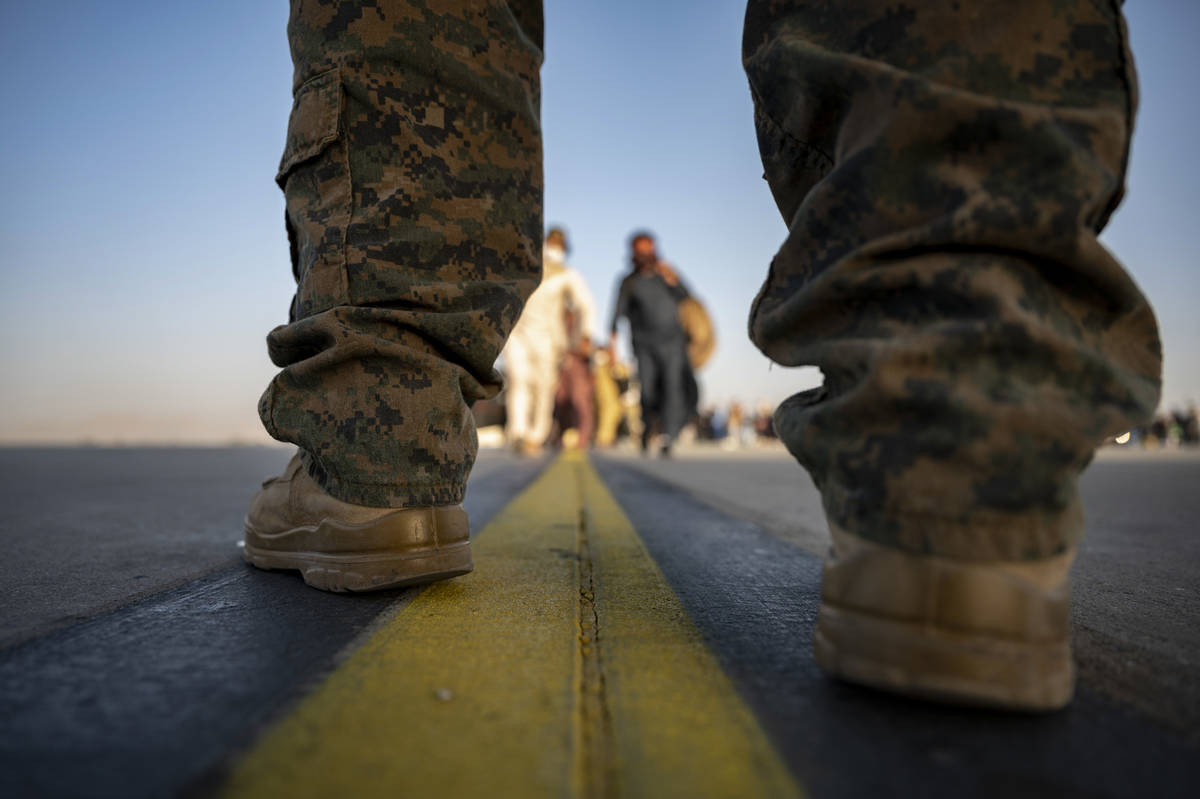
141	658
1132	729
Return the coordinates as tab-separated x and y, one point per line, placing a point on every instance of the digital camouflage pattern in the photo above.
944	169
412	177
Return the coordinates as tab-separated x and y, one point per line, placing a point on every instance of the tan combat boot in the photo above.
987	634
293	524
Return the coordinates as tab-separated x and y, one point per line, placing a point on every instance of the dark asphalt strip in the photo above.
151	700
754	598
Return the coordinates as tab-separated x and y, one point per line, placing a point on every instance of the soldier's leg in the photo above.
413	181
412	175
944	170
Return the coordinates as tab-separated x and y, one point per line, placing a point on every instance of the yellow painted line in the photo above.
564	666
680	727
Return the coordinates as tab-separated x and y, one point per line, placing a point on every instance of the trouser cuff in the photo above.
385	495
973	534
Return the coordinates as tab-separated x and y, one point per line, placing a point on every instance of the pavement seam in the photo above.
596	776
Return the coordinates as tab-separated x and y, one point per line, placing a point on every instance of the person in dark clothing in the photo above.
649	297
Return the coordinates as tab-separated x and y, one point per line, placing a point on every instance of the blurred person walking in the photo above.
559	319
606	373
574	399
648	297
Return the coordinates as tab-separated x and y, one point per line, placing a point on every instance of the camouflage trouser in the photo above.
412	174
943	173
943	169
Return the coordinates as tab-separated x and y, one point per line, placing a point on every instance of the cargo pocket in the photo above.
314	174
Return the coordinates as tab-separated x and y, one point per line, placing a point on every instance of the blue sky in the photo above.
142	250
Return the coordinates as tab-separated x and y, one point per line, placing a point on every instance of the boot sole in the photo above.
366	571
929	662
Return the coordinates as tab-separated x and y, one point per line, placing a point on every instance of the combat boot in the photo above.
992	634
337	546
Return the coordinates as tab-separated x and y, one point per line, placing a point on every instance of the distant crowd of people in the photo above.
734	427
565	389
1169	430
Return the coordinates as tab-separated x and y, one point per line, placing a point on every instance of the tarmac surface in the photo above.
139	657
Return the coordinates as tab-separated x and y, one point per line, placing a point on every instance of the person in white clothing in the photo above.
539	342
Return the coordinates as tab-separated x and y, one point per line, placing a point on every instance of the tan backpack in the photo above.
697	324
